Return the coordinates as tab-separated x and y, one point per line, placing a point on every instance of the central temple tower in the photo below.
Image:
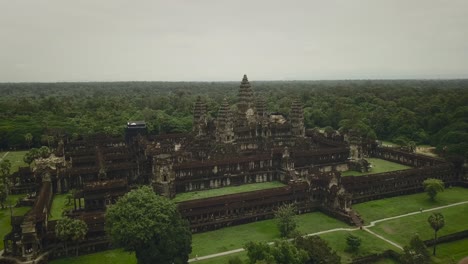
245	106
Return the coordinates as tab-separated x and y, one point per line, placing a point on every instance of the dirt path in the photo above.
365	228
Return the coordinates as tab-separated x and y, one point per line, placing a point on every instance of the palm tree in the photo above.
28	138
437	222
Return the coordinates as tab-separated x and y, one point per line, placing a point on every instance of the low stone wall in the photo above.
376	257
234	209
88	247
448	238
382	185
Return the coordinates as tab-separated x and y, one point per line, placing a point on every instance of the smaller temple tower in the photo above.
297	119
163	175
200	118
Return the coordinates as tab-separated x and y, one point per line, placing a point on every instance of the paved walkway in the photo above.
4	155
365	228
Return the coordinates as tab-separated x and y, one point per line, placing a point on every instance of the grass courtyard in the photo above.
263	231
378	166
369	245
59	204
116	256
226	190
451	252
402	229
394	206
16	159
5	220
224	239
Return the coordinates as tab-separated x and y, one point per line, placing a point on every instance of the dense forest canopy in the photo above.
424	111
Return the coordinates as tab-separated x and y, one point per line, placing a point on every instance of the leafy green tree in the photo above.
416	252
5	169
44	152
353	242
31	155
432	187
235	260
151	226
437	222
286	219
259	251
71	230
318	250
281	252
3	194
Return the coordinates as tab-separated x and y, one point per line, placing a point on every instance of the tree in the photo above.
28	139
151	226
437	222
416	252
432	187
286	221
318	250
3	194
281	252
68	229
235	260
44	152
353	242
5	168
32	154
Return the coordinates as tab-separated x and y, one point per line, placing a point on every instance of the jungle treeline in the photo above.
431	112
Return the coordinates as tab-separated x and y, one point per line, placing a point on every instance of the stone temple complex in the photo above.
244	144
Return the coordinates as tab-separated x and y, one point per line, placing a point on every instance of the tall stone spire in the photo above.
199	117
297	118
224	126
246	96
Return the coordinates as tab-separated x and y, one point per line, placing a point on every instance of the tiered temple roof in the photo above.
246	95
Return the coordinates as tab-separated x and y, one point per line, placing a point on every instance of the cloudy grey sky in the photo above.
213	40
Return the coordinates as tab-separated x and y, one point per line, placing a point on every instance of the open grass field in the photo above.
369	245
225	259
378	166
226	190
224	239
451	252
16	159
116	256
5	220
59	204
401	230
263	231
389	207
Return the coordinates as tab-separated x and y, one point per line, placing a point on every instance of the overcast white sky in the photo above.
213	40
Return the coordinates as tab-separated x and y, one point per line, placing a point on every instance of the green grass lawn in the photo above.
5	220
402	229
59	204
263	231
378	166
369	244
224	239
451	252
388	207
116	256
226	190
13	198
16	159
225	259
